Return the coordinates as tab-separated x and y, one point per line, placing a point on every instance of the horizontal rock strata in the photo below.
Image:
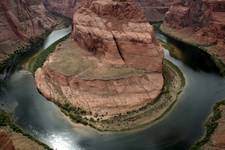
62	7
115	65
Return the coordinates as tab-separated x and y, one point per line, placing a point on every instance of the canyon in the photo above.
112	65
24	20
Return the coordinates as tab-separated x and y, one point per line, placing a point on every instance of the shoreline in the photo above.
211	123
134	119
15	61
7	124
167	31
141	118
210	126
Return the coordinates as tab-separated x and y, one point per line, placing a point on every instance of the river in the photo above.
177	130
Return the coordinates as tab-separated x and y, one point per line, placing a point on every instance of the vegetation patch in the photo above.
42	56
22	52
210	126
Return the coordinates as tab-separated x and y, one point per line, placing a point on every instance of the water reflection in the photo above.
56	35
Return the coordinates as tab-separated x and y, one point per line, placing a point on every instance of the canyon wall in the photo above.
114	65
21	20
201	23
62	7
155	10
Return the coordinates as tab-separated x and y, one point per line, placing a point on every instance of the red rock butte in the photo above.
111	65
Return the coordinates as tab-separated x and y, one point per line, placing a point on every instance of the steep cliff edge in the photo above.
114	66
200	23
19	22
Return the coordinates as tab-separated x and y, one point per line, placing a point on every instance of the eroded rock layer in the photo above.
117	32
201	23
21	21
62	7
155	10
115	65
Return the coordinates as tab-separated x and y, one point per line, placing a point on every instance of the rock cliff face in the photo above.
155	10
201	23
117	32
20	21
62	7
116	67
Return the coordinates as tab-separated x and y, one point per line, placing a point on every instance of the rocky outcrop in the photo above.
10	140
117	32
155	10
200	23
20	21
62	7
116	67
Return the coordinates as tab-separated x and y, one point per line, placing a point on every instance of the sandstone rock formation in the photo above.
116	67
117	32
20	21
155	10
62	7
201	23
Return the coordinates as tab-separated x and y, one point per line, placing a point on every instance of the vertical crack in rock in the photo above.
118	47
117	31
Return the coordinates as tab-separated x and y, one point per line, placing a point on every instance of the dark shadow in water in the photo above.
192	56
